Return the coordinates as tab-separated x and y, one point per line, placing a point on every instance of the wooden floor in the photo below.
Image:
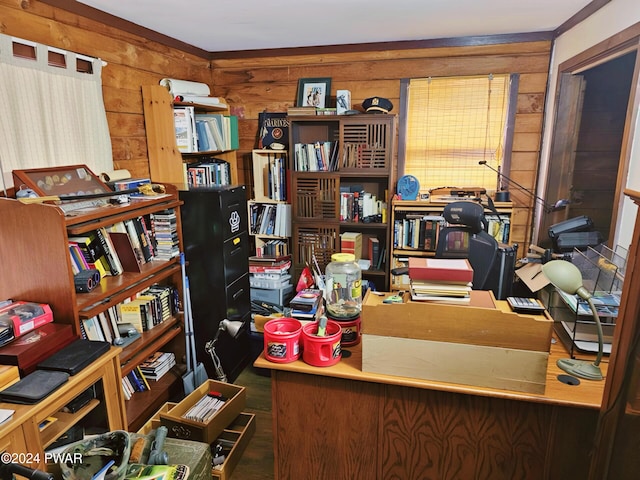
257	460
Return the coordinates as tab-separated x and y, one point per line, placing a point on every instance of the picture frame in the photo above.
314	92
67	180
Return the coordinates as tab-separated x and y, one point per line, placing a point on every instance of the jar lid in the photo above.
343	257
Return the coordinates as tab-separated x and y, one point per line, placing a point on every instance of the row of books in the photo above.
273	248
134	381
419	232
200	132
277	178
126	245
144	311
211	172
362	206
498	227
316	157
270	219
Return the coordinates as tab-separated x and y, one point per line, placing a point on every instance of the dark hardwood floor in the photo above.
257	461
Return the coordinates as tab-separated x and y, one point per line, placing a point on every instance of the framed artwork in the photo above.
71	180
314	92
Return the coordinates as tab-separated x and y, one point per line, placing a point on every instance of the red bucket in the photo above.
321	351
282	340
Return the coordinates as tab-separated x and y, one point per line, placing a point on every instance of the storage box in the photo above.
186	429
279	296
476	345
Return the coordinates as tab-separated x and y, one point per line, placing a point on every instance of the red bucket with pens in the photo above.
321	351
282	340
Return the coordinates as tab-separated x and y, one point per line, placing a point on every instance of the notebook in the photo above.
34	387
75	356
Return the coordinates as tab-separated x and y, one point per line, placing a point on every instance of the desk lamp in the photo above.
566	277
233	328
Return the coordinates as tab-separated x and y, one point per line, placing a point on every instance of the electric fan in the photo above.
408	187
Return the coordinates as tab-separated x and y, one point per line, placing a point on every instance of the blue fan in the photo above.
408	187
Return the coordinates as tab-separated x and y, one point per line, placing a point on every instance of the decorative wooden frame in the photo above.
67	180
314	92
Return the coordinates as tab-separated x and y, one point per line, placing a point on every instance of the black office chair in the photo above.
465	237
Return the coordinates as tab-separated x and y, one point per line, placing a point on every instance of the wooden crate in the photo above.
180	427
474	344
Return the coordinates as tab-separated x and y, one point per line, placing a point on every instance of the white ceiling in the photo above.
223	25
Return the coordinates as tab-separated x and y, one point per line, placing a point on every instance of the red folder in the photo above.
440	269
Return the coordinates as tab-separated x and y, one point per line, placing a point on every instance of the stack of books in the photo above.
157	365
447	280
307	304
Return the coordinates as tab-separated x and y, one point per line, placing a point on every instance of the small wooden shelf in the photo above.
65	421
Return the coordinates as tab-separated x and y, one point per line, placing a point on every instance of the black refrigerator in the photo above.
216	247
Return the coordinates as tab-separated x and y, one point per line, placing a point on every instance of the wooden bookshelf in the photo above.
34	251
166	162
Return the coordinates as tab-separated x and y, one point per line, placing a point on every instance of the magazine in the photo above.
607	303
157	472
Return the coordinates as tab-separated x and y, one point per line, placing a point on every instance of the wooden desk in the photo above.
21	435
338	422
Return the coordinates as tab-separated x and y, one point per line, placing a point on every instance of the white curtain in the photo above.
50	115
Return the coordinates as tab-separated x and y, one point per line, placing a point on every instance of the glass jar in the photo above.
343	292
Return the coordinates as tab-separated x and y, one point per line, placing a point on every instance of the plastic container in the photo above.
343	292
350	330
282	340
321	351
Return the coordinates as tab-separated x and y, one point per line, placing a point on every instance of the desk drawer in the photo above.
239	434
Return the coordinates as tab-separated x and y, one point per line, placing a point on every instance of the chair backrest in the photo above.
465	237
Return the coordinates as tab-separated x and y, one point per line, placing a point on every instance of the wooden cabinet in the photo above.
34	249
22	436
414	231
361	156
166	163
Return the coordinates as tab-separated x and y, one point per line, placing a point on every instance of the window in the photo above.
451	124
51	110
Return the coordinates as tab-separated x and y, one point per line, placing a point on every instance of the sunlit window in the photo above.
452	124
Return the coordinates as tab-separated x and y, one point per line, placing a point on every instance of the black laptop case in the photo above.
75	356
34	387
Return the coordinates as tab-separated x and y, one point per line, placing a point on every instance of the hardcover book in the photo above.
274	130
440	269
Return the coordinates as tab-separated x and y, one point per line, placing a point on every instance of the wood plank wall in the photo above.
255	84
261	82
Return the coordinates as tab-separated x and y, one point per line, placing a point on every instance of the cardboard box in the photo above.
351	242
476	345
180	427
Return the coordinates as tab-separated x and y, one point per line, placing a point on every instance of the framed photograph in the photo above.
314	92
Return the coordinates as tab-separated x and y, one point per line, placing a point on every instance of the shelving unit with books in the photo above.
268	210
48	277
183	162
414	231
346	189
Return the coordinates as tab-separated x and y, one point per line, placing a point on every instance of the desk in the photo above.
21	434
339	422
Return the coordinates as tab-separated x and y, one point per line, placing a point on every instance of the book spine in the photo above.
109	254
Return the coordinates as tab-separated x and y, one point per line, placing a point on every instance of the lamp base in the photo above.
580	368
